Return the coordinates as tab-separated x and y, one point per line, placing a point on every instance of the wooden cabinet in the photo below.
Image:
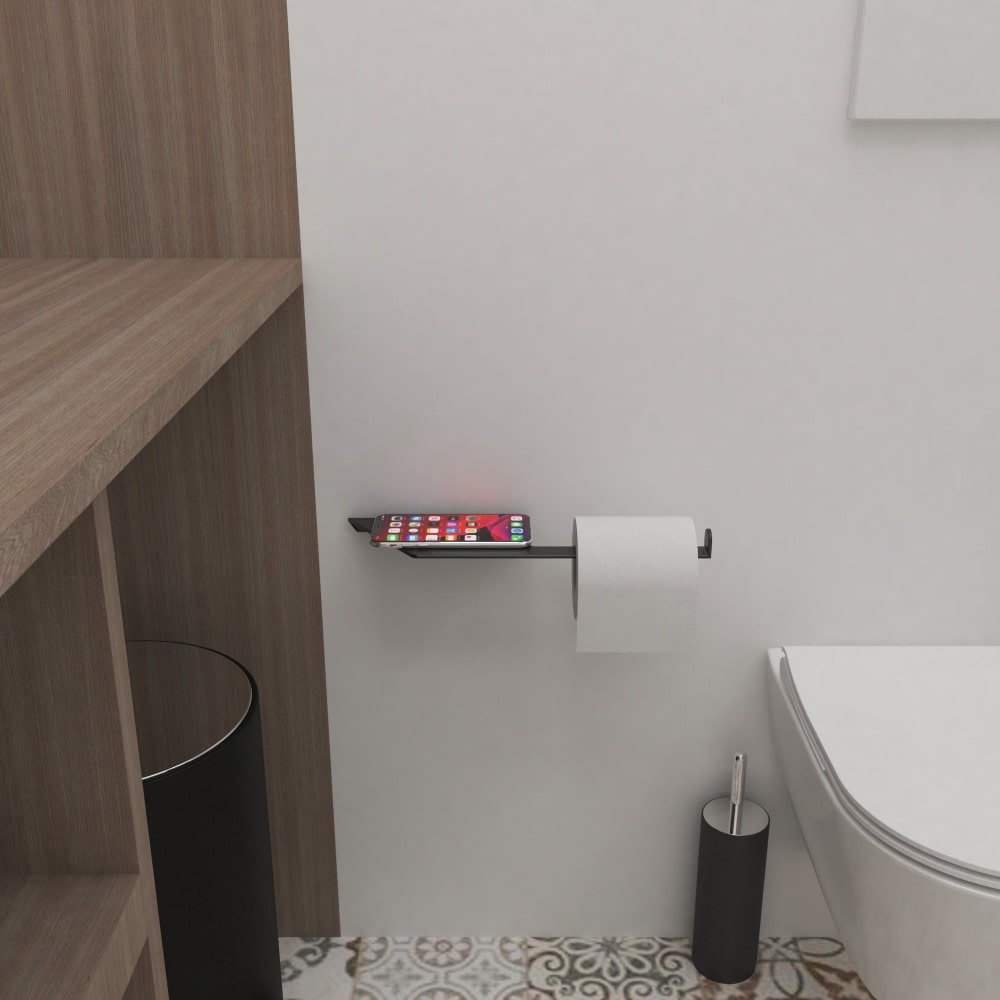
155	458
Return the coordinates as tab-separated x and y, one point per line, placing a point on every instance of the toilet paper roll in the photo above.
634	584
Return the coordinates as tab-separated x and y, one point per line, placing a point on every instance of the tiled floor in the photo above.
563	968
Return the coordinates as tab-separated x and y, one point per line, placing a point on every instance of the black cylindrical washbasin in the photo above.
198	724
730	891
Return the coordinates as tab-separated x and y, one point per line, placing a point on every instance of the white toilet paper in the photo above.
634	584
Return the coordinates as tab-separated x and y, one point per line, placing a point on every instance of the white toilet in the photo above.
891	755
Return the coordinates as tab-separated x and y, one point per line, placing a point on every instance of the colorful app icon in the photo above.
516	517
413	538
449	538
517	538
396	517
416	517
432	538
434	517
392	538
470	538
432	533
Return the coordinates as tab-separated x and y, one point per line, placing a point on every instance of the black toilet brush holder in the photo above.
730	891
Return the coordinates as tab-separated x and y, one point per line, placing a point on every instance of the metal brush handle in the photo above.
736	794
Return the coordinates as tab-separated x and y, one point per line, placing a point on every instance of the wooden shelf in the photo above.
69	936
96	356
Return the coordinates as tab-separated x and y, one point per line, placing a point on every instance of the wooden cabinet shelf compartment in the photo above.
95	357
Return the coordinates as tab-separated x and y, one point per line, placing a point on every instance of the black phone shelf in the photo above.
365	524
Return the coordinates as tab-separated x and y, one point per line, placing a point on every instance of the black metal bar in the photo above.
447	551
705	551
365	525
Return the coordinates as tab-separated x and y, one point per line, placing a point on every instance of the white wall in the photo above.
589	257
927	59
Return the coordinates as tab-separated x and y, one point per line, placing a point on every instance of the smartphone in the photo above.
398	530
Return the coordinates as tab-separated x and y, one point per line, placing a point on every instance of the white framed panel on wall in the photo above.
927	59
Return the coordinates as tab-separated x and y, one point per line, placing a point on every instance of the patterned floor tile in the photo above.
567	968
320	968
814	968
637	968
436	968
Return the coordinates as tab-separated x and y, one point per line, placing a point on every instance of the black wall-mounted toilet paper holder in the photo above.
365	524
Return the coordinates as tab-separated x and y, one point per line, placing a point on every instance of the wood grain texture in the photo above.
95	357
186	699
163	129
215	531
141	985
156	982
65	803
68	936
146	129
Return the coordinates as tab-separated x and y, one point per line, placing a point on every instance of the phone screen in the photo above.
464	529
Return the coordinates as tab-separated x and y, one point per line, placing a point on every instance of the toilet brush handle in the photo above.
736	793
